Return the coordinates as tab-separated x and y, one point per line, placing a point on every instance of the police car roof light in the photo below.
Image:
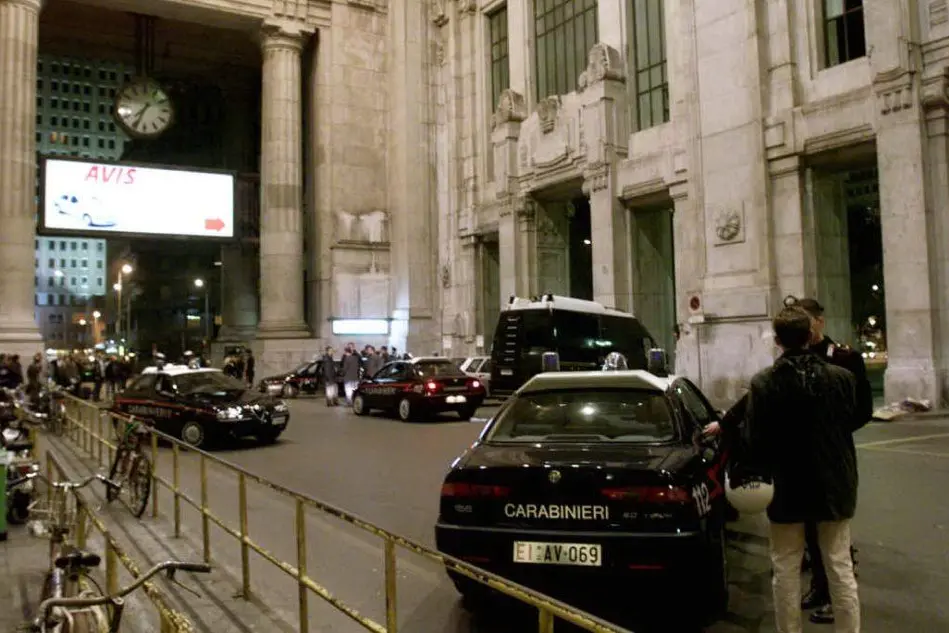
571	304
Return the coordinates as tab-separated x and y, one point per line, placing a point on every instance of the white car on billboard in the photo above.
88	209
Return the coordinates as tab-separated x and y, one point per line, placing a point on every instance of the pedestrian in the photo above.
800	418
249	366
374	362
350	372
330	376
818	597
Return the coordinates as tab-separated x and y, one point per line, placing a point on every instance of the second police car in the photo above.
200	406
589	479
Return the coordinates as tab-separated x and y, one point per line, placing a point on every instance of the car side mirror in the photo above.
657	362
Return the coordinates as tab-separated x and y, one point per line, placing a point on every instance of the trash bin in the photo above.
4	462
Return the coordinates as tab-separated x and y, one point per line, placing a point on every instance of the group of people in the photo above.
240	365
795	428
351	368
68	372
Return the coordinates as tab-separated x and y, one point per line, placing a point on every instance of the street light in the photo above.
83	322
199	283
96	315
126	269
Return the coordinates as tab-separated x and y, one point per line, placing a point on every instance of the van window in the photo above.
626	336
536	330
576	330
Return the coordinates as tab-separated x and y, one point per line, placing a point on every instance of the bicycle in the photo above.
131	467
55	611
70	567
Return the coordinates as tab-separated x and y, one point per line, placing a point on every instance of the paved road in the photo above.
389	473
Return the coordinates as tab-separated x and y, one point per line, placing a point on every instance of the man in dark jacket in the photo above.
350	370
330	376
818	597
801	415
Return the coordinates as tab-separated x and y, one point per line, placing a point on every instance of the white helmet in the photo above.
752	495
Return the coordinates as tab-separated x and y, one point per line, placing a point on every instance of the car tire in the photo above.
405	411
269	436
474	595
289	391
466	413
359	405
194	434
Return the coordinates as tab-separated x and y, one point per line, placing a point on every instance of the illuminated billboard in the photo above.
101	198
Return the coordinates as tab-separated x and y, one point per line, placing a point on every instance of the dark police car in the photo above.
593	479
202	405
305	379
410	388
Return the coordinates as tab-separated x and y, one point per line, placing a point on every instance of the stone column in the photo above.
603	88
238	294
904	211
19	33
510	114
281	185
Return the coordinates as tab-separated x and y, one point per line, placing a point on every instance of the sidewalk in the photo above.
23	564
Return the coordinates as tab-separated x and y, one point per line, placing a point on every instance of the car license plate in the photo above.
279	420
455	399
507	372
582	554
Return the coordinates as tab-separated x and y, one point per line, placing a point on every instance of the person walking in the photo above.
350	369
249	368
800	418
329	373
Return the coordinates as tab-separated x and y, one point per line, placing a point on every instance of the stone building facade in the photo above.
714	143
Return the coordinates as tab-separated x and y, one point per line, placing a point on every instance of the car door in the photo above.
309	378
139	392
380	389
709	486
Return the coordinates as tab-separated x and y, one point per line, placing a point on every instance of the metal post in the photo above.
245	550
154	476
128	321
545	622
392	619
303	593
175	453
205	523
100	437
207	317
118	311
111	568
80	524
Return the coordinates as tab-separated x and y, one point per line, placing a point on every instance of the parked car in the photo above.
479	367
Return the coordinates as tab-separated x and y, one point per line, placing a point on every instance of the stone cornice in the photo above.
284	35
35	5
934	93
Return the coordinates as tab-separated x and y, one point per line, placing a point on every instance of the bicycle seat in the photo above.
73	557
16	447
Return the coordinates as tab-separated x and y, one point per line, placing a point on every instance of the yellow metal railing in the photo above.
89	428
169	620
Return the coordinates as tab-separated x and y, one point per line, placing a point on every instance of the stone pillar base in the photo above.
25	343
236	334
283	331
279	355
916	381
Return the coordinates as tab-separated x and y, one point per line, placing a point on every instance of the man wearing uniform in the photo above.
818	597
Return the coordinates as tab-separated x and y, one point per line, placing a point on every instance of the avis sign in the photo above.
136	200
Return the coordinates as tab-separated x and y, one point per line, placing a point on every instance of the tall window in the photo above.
500	65
844	36
564	32
647	46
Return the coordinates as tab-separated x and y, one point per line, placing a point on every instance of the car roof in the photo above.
178	370
429	359
633	379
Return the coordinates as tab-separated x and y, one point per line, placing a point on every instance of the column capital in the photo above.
35	5
283	34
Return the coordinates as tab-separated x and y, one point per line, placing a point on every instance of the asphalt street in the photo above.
390	473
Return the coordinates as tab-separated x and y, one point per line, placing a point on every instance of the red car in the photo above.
421	386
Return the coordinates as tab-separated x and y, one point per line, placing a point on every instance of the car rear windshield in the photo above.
207	382
586	415
437	368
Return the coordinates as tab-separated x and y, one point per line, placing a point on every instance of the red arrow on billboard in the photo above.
214	224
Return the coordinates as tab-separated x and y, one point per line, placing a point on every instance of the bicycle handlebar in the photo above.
65	485
43	620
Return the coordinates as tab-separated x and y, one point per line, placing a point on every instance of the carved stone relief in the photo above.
547	111
935	91
894	89
512	108
729	226
439	17
368	226
938	12
596	177
604	63
446	276
467	6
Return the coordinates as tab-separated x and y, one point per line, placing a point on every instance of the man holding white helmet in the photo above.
801	414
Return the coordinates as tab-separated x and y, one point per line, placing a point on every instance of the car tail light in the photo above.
474	384
474	490
649	494
432	387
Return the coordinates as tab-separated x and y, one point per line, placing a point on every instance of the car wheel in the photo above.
269	436
289	391
194	433
359	405
466	413
405	411
474	595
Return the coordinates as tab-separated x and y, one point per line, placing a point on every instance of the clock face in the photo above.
143	108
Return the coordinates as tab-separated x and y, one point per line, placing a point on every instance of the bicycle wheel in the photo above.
139	484
118	473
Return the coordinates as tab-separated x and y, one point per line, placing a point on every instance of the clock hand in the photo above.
138	118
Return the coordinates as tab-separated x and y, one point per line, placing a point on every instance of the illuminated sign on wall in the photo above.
360	326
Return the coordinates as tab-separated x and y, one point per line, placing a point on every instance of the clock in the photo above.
143	108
